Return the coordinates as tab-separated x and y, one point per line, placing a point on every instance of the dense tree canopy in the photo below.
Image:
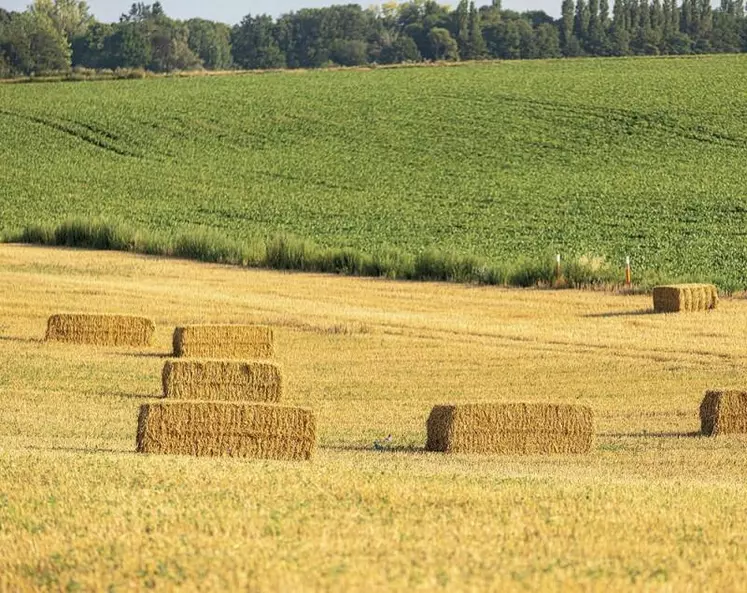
57	35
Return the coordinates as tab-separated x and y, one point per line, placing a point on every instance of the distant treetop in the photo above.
58	35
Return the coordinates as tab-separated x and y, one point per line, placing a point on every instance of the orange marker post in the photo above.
627	271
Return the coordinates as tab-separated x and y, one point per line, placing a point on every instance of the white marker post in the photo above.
557	267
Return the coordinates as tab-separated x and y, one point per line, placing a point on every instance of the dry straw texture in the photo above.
685	297
224	341
102	330
723	412
262	431
515	428
226	380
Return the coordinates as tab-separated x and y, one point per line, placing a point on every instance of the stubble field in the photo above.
653	505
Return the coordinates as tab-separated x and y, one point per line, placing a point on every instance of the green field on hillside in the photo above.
639	157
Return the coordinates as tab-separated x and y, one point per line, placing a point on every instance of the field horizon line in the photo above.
84	74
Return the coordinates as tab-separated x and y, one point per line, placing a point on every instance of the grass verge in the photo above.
288	252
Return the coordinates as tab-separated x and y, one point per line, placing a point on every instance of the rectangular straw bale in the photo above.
228	429
723	412
245	342
227	380
685	297
511	428
102	330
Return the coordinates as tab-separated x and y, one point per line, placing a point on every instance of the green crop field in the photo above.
605	158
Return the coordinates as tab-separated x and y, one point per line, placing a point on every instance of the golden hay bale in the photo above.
224	341
229	429
723	412
102	330
513	428
685	297
227	380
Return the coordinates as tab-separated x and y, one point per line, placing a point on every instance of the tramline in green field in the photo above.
509	161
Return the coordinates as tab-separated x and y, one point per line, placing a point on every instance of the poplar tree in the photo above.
657	23
666	25
695	18
566	26
594	40
477	47
581	25
705	25
634	16
674	15
686	17
620	33
461	18
645	16
604	14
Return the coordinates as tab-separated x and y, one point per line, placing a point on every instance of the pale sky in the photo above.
232	11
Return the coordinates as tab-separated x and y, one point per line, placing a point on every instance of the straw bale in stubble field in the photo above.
723	412
102	330
229	429
224	341
685	297
511	428
226	380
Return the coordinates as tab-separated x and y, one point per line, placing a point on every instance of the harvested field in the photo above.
511	429
685	297
224	341
100	330
256	431
724	412
226	380
654	506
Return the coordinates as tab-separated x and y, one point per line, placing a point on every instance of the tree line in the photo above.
60	35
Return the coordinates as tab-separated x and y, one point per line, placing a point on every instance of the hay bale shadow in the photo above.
87	450
655	435
138	396
148	354
372	449
622	314
21	340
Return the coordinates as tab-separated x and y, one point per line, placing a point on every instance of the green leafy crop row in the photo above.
503	161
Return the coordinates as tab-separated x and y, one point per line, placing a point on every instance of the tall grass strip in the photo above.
224	380
287	252
513	428
685	297
227	429
101	330
245	342
723	412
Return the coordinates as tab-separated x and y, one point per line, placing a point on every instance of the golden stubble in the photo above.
653	505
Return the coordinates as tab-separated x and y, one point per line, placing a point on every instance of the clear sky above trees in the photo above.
232	11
